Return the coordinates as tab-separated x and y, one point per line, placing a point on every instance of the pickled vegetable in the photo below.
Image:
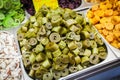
57	42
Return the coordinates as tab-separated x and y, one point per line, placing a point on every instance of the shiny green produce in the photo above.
11	13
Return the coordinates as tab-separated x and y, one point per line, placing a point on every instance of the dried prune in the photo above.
72	4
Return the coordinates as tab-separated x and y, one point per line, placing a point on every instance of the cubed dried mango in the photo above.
109	26
109	12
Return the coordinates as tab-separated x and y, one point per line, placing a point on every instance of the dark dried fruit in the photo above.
72	4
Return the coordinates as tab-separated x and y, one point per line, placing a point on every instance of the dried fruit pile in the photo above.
106	18
72	4
9	58
11	13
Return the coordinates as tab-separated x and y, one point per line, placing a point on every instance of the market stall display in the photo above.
72	4
57	42
106	18
9	58
11	14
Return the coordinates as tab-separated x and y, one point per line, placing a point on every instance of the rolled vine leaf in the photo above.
56	75
56	20
31	73
77	59
73	69
39	48
86	43
62	44
65	72
35	66
48	25
55	37
46	63
42	30
85	60
44	41
98	39
85	35
20	36
48	76
93	43
101	49
65	50
102	55
39	72
26	62
32	58
71	58
72	45
32	41
94	59
56	29
40	57
51	46
60	66
87	52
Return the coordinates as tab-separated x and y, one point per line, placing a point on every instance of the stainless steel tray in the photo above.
115	50
110	57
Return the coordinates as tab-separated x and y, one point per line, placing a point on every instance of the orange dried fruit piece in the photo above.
99	26
110	38
115	13
109	12
115	19
95	19
109	5
116	33
105	20
117	27
105	32
90	14
94	8
99	13
115	43
109	26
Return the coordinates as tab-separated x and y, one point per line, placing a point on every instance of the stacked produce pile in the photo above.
71	4
28	5
57	42
106	18
9	58
11	13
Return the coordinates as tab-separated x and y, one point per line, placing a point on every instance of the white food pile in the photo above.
9	58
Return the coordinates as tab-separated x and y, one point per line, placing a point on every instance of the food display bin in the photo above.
112	60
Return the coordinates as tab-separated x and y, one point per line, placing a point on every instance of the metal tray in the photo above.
115	50
110	57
